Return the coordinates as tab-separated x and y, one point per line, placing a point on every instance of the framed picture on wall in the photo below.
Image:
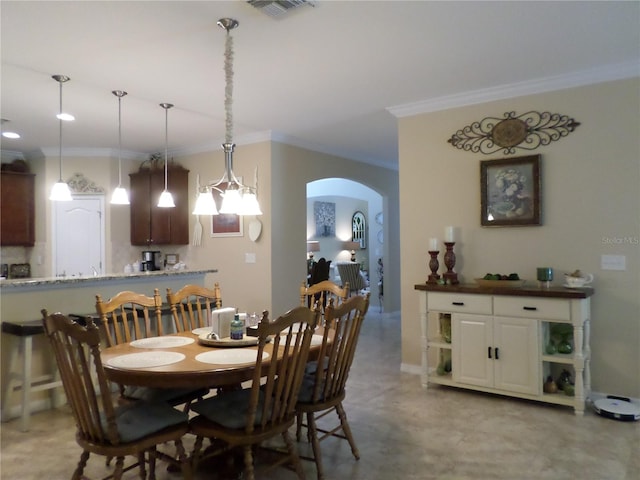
359	229
324	214
225	224
510	192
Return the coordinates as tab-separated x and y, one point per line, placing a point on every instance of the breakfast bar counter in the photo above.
21	301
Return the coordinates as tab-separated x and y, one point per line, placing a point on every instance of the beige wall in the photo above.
292	169
591	193
272	282
244	285
249	286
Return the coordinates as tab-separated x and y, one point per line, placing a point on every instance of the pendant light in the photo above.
60	191
166	199
237	198
119	196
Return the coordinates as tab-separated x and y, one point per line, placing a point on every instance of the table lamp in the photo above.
353	246
313	246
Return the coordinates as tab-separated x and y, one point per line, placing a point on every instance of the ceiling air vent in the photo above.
275	8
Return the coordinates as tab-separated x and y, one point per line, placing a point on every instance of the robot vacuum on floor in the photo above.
617	408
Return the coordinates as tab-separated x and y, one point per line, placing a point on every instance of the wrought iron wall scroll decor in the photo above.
527	131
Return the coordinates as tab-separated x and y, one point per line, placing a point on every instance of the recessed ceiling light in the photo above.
67	117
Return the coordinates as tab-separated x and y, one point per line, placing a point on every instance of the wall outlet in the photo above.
250	258
613	262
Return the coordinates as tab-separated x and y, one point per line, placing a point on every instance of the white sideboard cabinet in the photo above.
505	340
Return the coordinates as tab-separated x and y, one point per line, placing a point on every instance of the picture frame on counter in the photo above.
172	259
510	192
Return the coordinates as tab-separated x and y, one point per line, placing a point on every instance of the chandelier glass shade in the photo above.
205	204
60	191
237	198
119	195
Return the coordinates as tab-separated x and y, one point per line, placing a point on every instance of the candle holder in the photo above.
433	266
450	277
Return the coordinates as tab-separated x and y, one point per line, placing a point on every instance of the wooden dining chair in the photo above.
323	386
191	306
129	316
247	417
101	427
322	292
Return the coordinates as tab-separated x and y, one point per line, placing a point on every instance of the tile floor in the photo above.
402	431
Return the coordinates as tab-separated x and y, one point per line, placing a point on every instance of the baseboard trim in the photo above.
593	396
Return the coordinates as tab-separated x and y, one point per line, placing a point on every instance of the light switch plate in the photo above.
250	258
613	262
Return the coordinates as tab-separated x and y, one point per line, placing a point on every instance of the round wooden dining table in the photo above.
188	372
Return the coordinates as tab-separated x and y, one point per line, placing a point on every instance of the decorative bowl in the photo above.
499	283
577	282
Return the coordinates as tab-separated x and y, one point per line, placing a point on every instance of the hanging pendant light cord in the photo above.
228	89
237	198
60	130
119	94
120	139
166	143
166	199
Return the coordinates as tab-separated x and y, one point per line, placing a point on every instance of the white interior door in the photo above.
78	233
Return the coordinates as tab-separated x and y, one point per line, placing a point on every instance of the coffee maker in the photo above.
151	260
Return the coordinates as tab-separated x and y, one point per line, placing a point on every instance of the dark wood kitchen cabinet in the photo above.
17	209
151	225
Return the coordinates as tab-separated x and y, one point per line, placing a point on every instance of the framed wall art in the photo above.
510	192
359	229
225	224
324	214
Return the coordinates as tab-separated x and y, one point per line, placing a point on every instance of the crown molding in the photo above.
547	84
48	152
10	156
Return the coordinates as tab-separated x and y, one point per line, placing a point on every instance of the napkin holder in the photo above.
221	321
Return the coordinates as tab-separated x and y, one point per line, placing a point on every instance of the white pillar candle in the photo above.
448	234
433	244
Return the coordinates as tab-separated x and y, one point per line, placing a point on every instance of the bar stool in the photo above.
25	332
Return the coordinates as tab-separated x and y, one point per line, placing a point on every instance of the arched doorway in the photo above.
343	199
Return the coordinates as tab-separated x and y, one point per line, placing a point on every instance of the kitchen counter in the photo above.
49	282
21	300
